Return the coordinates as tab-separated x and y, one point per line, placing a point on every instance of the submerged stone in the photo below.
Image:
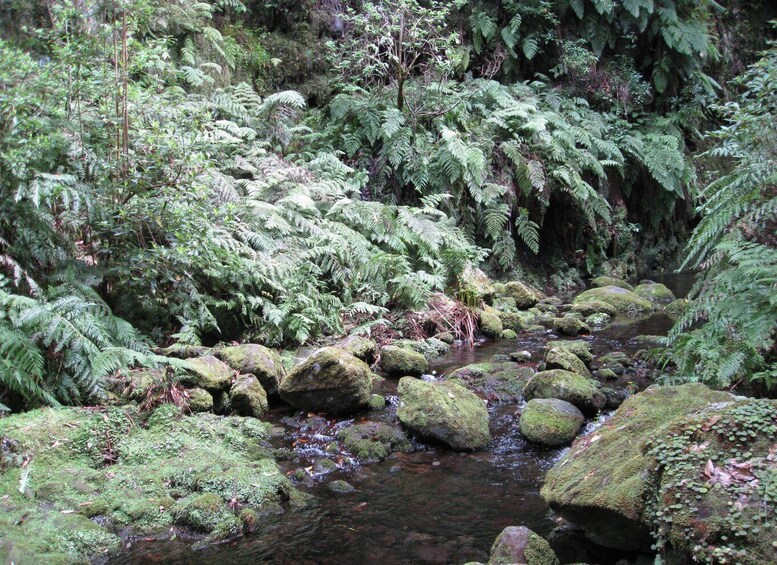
331	380
373	441
444	411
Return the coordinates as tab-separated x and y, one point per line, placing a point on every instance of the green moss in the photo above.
550	421
594	307
265	364
563	385
499	382
104	463
509	334
443	411
569	325
207	513
563	358
624	301
247	397
521	545
373	441
490	323
360	347
524	296
377	402
581	349
200	400
600	282
598	320
208	373
655	293
400	362
512	320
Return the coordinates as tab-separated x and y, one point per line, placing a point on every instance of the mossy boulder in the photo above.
496	382
655	293
509	334
598	320
443	411
581	349
518	544
373	441
331	380
360	347
200	400
247	397
490	323
207	513
512	320
563	358
402	362
569	325
377	402
563	385
524	296
594	307
474	281
429	347
95	472
135	384
624	301
600	282
676	307
550	421
605	480
184	351
252	359
209	373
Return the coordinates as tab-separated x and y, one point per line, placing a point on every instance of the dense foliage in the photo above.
161	181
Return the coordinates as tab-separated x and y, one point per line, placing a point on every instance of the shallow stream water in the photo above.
430	506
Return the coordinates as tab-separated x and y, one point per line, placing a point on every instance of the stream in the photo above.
431	506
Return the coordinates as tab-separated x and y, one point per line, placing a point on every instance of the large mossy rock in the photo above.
605	480
402	362
330	380
594	307
513	320
250	358
490	323
200	400
569	325
624	301
474	281
518	544
496	382
655	293
247	397
582	349
524	296
443	411
550	421
600	282
209	373
563	358
360	347
91	474
571	387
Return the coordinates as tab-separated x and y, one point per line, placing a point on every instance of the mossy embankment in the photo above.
75	482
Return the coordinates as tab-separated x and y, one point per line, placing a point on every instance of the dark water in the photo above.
430	506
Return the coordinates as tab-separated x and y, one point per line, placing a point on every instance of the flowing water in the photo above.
430	506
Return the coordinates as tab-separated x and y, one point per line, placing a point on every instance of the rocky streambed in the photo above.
338	478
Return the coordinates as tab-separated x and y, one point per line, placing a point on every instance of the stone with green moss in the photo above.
606	479
490	323
200	400
524	295
429	347
377	402
676	307
247	397
509	334
512	320
360	347
550	421
446	337
606	375
563	385
651	341
107	465
570	326
594	307
341	487
402	362
655	293
250	358
331	380
562	358
475	282
518	544
600	282
184	351
373	441
134	385
207	513
496	382
598	320
209	373
624	301
443	411
580	348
